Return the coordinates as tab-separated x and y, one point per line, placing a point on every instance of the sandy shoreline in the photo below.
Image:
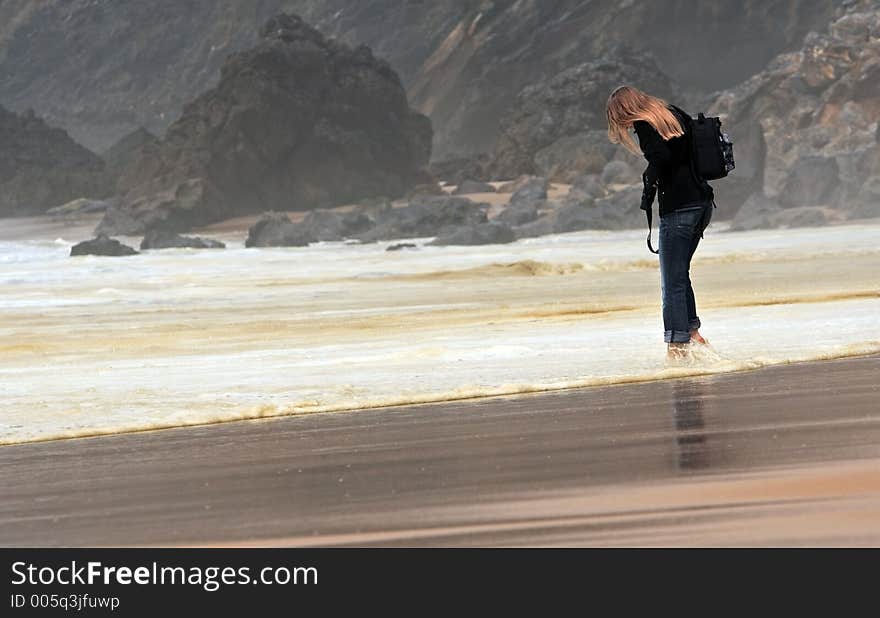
174	338
787	455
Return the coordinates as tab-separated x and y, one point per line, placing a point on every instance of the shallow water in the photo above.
96	345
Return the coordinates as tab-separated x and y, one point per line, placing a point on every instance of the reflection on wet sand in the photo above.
788	455
688	399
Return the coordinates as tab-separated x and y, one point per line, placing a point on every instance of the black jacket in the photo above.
669	168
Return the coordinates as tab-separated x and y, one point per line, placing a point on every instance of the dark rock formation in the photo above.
758	212
125	159
805	128
42	167
490	50
519	213
459	169
300	121
531	191
425	216
400	246
620	173
160	239
467	187
557	127
277	230
588	185
102	69
186	205
492	233
101	245
616	211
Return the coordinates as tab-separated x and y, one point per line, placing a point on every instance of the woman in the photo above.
686	202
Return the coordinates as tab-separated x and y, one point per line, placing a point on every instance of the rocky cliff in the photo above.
298	122
42	167
557	127
103	68
807	126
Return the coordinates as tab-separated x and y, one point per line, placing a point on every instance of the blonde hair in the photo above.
627	104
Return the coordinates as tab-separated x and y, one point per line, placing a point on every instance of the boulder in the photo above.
299	121
588	185
812	181
181	207
519	213
542	226
805	127
102	245
425	216
161	239
275	229
571	156
456	170
473	186
805	216
493	233
758	212
562	117
616	211
619	173
530	192
867	201
328	225
761	212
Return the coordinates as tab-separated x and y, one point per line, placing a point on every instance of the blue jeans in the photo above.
680	233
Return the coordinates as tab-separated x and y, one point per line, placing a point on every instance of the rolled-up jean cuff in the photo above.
695	324
677	336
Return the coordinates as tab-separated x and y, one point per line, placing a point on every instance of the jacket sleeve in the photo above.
655	150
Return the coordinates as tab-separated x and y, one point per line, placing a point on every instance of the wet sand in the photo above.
786	455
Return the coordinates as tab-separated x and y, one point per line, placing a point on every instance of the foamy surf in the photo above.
97	346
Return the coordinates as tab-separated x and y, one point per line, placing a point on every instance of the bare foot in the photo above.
696	336
677	351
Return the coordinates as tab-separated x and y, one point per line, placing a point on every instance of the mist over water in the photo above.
97	345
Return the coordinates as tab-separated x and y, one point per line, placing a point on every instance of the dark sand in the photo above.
782	456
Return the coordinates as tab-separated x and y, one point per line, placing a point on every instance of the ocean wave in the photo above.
702	361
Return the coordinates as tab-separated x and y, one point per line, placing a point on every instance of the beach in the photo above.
781	456
342	394
95	345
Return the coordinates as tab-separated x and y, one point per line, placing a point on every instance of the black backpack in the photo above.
712	148
711	154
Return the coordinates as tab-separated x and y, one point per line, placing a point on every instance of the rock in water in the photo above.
400	246
42	167
426	215
161	239
481	234
276	229
102	245
300	121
